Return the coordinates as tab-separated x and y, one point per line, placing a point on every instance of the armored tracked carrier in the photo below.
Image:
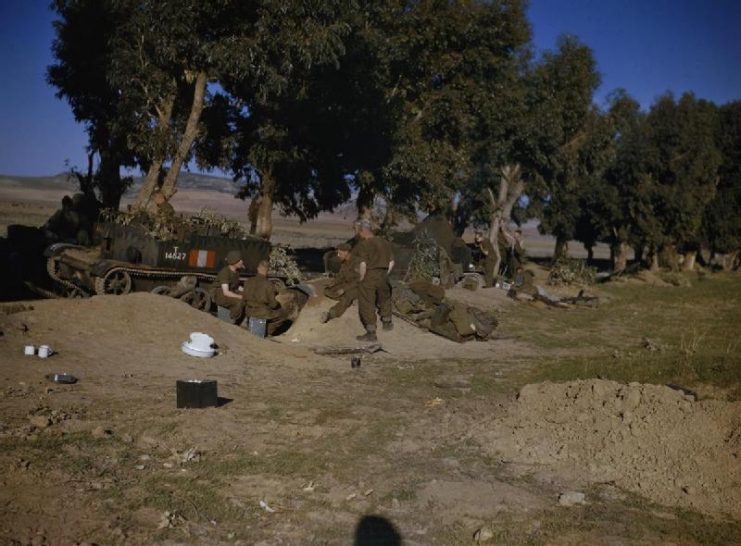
130	259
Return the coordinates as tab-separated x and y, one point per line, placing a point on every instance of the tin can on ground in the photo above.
258	326
355	362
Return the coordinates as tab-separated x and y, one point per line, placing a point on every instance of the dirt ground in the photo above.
559	431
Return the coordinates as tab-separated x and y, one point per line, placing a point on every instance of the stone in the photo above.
102	432
572	498
40	421
484	534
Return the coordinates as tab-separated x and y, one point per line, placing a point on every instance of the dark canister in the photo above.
355	362
196	393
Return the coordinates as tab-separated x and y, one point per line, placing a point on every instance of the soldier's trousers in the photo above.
345	301
235	306
275	319
374	292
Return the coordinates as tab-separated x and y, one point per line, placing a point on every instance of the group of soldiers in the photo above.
255	299
364	275
364	270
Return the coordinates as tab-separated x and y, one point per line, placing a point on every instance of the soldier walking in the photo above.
345	285
375	262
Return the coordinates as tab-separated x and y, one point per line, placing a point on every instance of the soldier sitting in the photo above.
260	302
345	285
64	224
228	292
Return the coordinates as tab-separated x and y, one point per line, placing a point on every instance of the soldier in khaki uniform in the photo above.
163	210
345	285
487	249
376	260
228	293
260	302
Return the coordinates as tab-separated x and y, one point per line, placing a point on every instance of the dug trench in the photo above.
430	435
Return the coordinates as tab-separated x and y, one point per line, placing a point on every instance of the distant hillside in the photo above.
186	180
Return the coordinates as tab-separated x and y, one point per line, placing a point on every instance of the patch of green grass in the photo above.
643	333
195	499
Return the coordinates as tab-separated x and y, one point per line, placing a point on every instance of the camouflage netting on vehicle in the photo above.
568	271
284	265
202	223
425	261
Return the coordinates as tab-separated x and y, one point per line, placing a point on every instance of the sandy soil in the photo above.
126	353
425	434
650	439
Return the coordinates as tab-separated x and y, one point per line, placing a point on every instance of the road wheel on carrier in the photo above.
198	298
162	290
116	282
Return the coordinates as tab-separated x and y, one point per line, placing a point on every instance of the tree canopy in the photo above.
435	106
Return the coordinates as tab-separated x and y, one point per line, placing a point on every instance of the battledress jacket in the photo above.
259	298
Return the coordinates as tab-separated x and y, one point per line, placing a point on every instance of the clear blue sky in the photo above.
646	46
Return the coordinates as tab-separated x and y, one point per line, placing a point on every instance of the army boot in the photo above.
388	325
370	335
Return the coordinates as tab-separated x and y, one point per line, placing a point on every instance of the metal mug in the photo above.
45	351
29	350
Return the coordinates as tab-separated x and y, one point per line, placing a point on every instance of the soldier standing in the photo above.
487	250
227	292
375	262
345	286
260	302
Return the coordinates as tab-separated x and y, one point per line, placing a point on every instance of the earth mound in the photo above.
652	440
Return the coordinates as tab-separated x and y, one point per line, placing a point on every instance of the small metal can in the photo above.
355	362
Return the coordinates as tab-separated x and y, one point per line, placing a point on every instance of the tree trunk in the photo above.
109	181
511	187
155	167
653	256
253	213
668	255
189	135
620	257
562	248
264	226
638	254
364	204
689	260
494	226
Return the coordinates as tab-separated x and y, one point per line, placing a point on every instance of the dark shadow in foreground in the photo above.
376	531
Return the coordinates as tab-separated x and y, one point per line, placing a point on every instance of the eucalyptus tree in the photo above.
559	103
721	220
454	68
683	163
266	124
83	54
